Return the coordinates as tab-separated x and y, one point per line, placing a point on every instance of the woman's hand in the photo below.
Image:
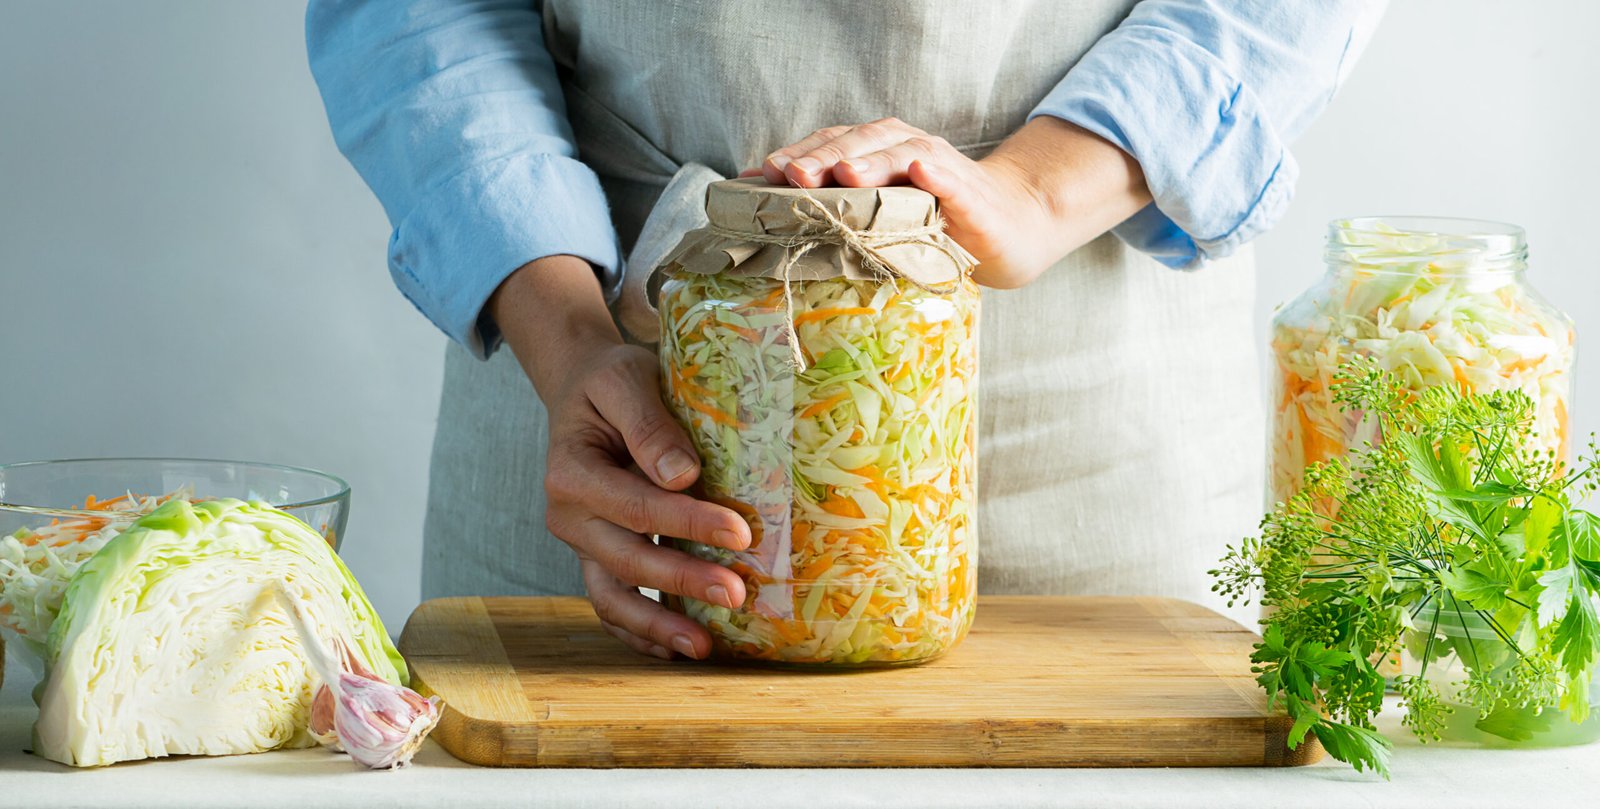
1047	190
617	462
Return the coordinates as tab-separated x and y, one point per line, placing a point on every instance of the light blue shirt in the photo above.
451	111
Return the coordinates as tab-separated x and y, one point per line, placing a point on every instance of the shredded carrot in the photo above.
824	405
823	314
716	415
842	506
771	299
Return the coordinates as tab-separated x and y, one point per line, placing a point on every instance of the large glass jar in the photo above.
1436	301
837	414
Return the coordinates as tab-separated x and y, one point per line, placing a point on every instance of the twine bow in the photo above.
825	226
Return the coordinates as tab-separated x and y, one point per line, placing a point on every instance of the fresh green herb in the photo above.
1451	535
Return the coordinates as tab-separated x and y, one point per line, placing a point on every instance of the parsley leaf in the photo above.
1577	637
1544	514
1439	481
1359	747
1557	594
1474	587
1305	716
1583	535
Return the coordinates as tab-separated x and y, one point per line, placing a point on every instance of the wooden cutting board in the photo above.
1040	681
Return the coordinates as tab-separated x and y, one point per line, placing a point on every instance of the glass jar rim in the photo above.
1446	244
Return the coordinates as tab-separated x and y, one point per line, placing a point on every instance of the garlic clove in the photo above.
321	724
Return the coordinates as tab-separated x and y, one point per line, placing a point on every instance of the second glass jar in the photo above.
1436	301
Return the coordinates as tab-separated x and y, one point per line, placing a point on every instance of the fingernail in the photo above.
683	645
778	161
727	538
717	594
673	465
855	165
661	652
807	165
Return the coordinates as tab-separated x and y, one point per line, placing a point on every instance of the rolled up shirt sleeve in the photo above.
452	113
1206	95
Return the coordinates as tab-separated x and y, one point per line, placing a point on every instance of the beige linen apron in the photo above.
1121	432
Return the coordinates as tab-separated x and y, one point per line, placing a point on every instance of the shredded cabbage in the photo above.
1429	318
37	563
857	474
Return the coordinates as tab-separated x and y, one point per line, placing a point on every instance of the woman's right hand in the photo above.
618	461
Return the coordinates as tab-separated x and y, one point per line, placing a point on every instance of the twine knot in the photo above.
822	225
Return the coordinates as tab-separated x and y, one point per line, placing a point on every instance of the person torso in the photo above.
1120	421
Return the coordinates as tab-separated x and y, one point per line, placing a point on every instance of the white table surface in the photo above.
1423	776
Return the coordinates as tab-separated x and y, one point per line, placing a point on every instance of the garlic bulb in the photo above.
381	725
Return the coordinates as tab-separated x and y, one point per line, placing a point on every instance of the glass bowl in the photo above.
36	492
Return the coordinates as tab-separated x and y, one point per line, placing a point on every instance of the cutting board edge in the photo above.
496	743
1276	745
468	738
456	725
1026	745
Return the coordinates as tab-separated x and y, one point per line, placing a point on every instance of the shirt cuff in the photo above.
450	253
1218	172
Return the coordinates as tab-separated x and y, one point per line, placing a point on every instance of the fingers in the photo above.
639	507
603	510
772	168
643	646
632	614
627	397
953	187
589	481
977	222
890	166
816	167
809	163
637	561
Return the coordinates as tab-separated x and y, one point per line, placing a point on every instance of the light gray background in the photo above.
188	267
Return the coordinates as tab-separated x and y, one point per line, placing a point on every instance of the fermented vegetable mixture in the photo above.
36	564
856	472
1429	321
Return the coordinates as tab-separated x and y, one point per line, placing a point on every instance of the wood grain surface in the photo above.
1040	681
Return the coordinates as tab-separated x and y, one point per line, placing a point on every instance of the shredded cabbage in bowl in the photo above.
36	564
1431	321
857	473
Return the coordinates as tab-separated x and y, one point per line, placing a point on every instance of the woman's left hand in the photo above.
1047	190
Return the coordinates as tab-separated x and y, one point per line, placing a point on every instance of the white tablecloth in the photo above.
1423	776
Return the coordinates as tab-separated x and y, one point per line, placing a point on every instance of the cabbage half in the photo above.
170	641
